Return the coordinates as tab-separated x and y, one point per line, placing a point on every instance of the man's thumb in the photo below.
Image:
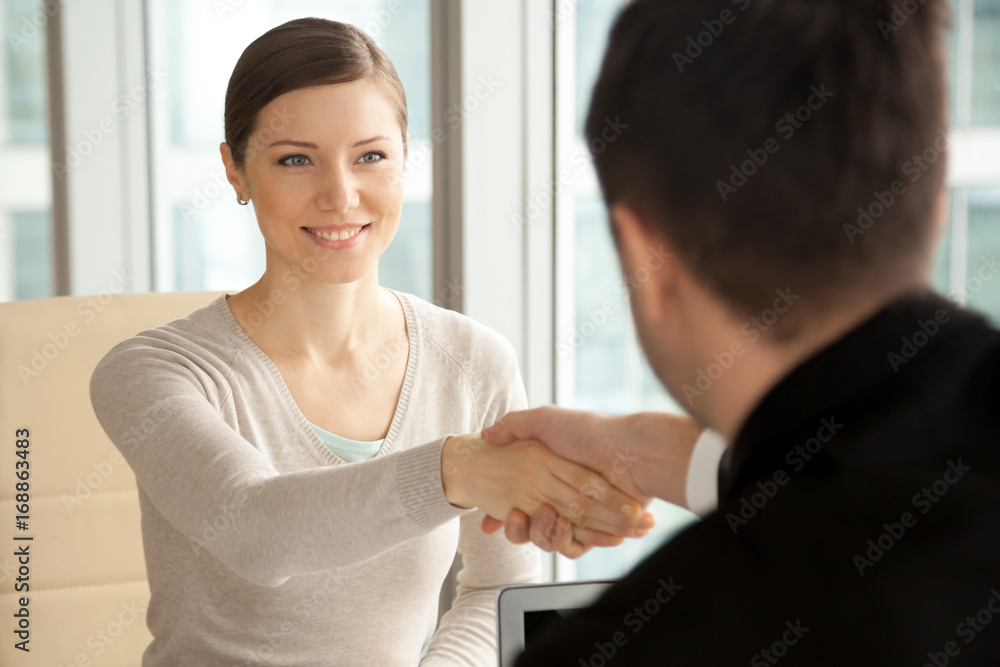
499	434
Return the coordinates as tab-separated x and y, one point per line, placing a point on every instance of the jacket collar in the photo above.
870	358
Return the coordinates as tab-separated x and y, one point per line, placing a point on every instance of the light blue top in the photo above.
351	451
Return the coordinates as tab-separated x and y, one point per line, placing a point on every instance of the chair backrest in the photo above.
84	577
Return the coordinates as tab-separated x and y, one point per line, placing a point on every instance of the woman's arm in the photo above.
467	634
224	494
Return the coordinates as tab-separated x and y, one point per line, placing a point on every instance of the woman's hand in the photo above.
525	476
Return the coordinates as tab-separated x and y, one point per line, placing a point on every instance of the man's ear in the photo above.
645	254
234	174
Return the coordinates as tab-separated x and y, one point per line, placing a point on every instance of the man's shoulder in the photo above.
947	396
787	586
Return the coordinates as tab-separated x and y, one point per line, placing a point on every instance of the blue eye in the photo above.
294	161
372	157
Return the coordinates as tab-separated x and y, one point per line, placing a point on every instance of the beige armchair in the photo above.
84	577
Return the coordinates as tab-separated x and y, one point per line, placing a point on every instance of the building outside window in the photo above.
26	255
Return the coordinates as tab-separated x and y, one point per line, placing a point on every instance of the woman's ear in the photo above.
234	174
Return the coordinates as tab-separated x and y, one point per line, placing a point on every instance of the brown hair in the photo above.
701	92
299	54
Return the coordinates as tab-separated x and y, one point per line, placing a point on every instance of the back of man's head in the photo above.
779	143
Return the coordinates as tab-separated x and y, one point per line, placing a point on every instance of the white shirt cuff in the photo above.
702	487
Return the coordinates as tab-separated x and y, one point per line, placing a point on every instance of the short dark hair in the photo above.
756	201
300	54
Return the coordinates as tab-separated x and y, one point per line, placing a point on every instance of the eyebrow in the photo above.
380	137
306	144
289	142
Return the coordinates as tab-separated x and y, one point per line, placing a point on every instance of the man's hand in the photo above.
645	455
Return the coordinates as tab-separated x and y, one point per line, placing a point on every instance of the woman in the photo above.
297	510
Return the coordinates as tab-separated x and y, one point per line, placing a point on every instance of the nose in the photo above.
339	191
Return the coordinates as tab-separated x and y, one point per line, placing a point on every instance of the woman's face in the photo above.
324	169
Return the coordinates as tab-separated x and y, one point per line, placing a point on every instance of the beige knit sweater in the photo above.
262	547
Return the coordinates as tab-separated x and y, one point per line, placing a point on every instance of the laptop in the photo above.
524	611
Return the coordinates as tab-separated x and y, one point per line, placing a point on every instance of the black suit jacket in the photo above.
859	519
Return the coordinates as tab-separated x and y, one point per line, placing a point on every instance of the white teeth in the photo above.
334	235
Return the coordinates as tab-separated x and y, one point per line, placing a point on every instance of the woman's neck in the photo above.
321	322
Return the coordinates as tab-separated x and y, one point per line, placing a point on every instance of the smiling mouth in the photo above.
336	235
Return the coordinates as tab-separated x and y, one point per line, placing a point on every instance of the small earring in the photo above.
240	201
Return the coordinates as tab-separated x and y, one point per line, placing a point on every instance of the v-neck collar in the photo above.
307	434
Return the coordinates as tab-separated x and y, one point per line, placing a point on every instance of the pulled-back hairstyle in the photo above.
689	126
299	54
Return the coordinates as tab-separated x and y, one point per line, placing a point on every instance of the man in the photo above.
790	154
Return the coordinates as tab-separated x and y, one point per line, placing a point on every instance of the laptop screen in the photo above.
524	612
536	621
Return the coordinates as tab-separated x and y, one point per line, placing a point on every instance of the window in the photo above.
967	266
985	70
608	371
201	238
26	256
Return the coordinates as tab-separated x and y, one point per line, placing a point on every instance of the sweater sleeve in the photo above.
467	634
194	467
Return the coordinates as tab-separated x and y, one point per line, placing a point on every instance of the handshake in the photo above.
569	480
